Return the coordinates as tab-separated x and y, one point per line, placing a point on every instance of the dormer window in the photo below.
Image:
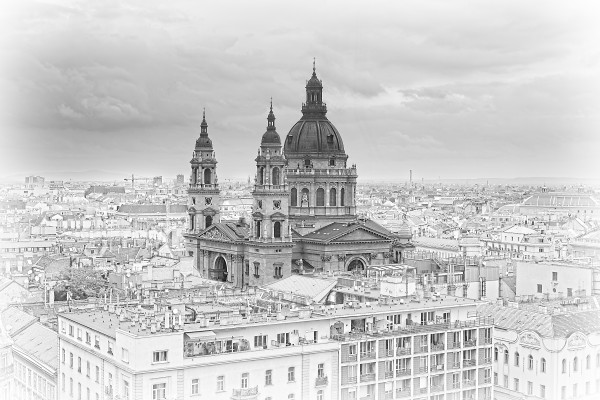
330	139
332	162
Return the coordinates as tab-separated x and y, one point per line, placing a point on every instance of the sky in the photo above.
449	89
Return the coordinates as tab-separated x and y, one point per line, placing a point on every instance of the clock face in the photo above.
208	201
276	204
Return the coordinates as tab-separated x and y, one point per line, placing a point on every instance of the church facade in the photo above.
304	213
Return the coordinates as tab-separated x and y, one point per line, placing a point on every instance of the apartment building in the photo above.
548	350
519	242
237	349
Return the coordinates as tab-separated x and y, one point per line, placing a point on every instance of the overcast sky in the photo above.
449	89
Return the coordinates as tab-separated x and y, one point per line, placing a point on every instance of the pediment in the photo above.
209	211
359	235
214	233
257	215
278	216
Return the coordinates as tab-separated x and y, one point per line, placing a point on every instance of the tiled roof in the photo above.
561	200
546	325
39	342
15	320
336	230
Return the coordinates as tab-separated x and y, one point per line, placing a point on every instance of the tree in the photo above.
82	282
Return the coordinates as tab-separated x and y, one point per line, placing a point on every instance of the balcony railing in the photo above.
423	390
367	377
487	380
367	356
487	360
421	349
437	388
470	343
388	374
438	367
388	353
321	381
421	370
469	363
244	393
403	351
349	358
351	380
487	340
402	372
468	382
437	347
454	365
454	345
455	385
402	393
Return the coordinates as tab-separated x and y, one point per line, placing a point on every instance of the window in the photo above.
124	354
245	380
291	374
277	229
260	341
291	396
97	373
563	392
87	369
542	391
320	197
79	333
320	395
70	360
506	381
575	364
506	356
575	390
159	391
530	362
63	382
79	364
63	356
294	197
539	288
495	354
97	342
496	378
268	377
332	197
79	391
516	383
555	276
159	356
321	370
529	388
110	348
516	359
125	389
220	383
70	386
71	330
342	199
543	364
195	385
588	362
564	366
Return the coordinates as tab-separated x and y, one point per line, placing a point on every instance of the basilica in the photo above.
304	213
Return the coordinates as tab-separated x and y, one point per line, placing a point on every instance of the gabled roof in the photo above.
40	342
15	320
315	288
522	230
225	231
348	232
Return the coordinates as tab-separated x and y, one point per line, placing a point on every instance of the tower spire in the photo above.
314	66
203	125
271	118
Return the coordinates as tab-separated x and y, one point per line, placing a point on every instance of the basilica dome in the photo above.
204	142
314	134
270	137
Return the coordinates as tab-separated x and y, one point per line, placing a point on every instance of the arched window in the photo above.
208	221
342	200
564	366
207	176
516	358
320	395
257	229
305	198
530	362
275	173
505	356
294	195
320	197
277	229
261	176
575	364
588	362
495	354
332	197
191	222
543	364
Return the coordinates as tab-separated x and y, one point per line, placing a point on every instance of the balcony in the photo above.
487	360
388	353
468	382
437	347
455	385
321	381
367	377
349	358
388	374
367	356
245	394
351	380
403	372
454	365
403	351
454	345
469	363
470	343
487	340
487	380
402	393
423	390
421	370
7	370
437	388
438	367
421	349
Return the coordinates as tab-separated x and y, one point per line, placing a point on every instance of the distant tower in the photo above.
203	194
270	231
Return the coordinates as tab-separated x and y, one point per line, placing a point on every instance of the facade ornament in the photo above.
325	258
205	253
341	257
214	234
528	339
374	255
576	341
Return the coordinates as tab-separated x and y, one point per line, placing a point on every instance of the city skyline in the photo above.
121	87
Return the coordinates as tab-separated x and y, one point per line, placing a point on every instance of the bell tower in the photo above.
203	194
270	230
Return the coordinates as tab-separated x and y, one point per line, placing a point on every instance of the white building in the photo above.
555	279
519	242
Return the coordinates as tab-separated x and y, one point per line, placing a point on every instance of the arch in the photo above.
208	221
356	264
575	364
505	356
333	197
277	229
275	180
495	353
219	272
207	176
530	362
305	198
342	199
320	197
261	176
294	197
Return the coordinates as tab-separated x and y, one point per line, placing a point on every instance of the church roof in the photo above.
338	231
561	200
